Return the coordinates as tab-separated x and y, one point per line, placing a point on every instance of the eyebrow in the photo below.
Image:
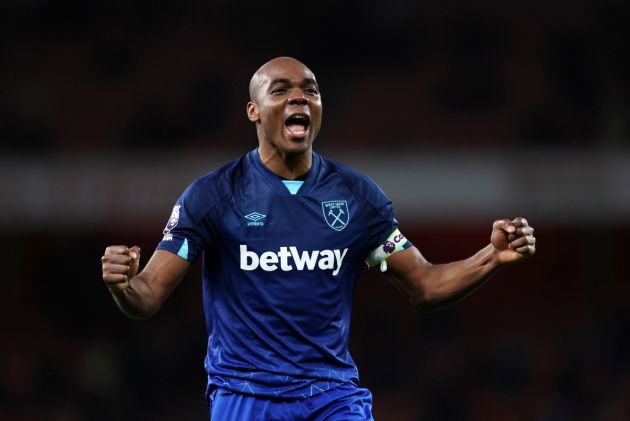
305	81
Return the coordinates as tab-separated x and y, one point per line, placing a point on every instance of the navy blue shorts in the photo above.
346	402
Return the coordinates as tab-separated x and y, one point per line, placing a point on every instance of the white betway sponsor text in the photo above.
289	258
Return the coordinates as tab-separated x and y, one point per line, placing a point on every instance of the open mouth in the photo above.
297	125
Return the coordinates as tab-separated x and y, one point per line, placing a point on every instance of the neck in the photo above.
289	166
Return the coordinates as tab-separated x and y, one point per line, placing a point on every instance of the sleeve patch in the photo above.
395	242
172	223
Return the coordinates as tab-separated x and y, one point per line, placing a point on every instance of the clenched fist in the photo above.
513	240
120	264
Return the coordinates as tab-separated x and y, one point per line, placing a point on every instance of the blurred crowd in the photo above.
548	341
144	74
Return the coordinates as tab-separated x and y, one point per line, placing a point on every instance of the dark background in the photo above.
529	84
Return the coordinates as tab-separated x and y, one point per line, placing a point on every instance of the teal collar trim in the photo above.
293	185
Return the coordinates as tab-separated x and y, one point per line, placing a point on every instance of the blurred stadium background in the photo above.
463	112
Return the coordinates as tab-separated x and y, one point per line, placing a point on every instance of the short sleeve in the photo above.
384	237
188	230
378	211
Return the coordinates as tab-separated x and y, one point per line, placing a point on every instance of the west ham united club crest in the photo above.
336	214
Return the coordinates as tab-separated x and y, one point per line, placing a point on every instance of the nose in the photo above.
297	97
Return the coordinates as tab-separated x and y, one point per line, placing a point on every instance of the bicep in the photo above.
407	269
163	272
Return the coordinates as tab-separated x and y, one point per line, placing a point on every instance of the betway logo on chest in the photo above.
289	258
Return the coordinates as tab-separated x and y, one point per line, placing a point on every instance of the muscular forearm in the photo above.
137	300
445	284
141	296
433	286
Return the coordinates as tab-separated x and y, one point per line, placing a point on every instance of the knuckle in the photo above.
109	269
499	222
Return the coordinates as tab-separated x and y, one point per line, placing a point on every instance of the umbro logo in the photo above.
255	219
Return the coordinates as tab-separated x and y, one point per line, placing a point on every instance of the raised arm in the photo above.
433	286
140	295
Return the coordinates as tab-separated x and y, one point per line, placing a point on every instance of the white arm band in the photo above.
395	242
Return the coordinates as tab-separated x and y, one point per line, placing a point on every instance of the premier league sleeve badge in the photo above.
172	222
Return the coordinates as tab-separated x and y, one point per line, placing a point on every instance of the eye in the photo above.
278	91
311	91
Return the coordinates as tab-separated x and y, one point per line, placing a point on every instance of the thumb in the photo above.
504	225
134	253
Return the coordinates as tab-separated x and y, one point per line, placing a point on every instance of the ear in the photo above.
252	112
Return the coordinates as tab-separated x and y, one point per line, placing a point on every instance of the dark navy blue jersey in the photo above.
280	263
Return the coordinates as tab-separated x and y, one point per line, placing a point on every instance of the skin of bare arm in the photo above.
434	286
141	295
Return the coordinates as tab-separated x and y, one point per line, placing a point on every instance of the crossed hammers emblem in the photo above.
337	217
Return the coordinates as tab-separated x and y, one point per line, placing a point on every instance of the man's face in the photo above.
286	105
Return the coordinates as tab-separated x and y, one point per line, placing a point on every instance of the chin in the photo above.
297	149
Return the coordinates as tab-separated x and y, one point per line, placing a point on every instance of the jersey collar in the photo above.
276	182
